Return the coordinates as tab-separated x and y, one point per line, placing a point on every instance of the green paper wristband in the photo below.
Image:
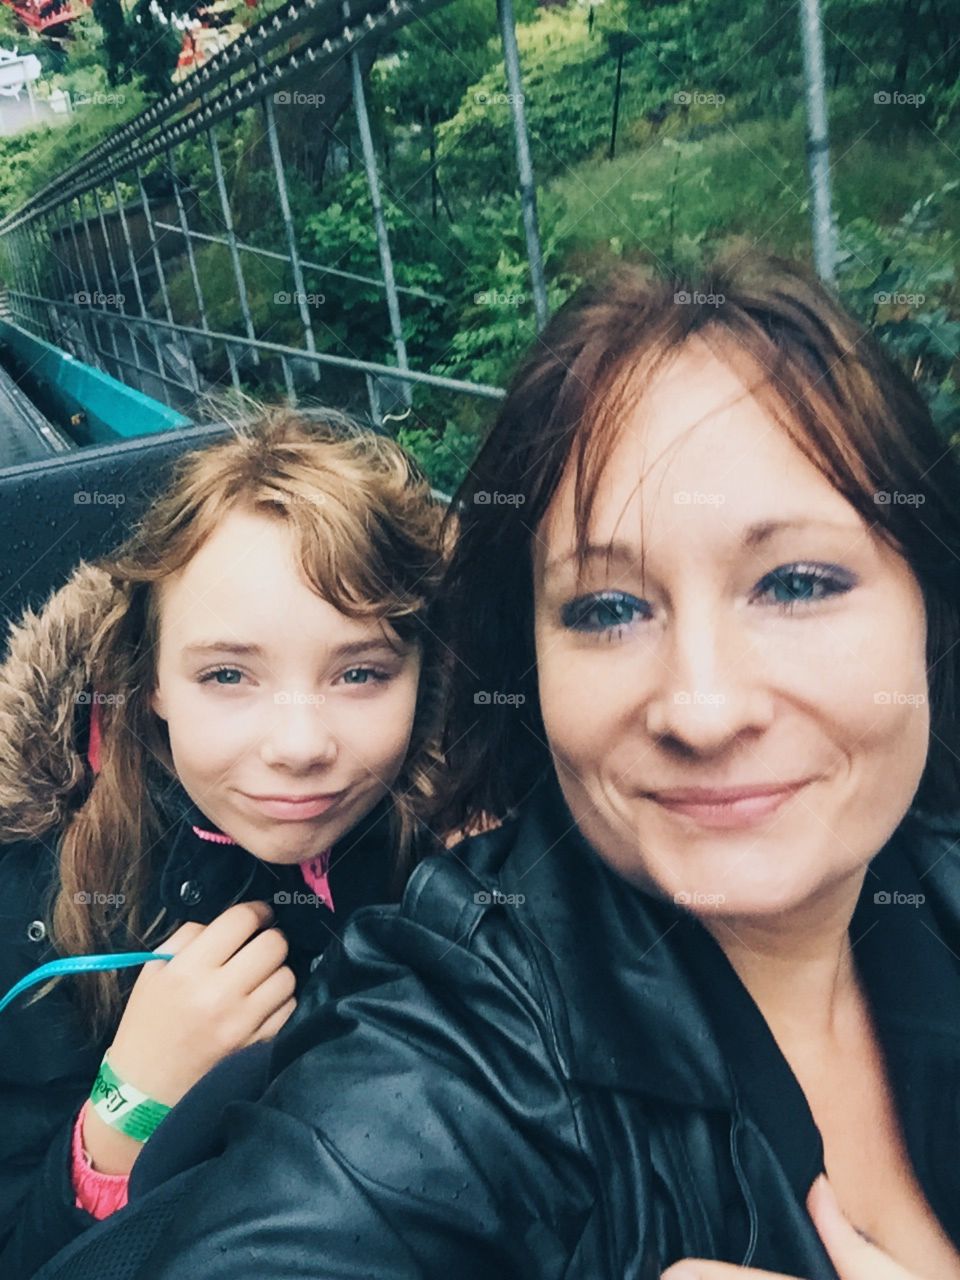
123	1106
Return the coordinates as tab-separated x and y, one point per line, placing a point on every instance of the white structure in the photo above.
17	70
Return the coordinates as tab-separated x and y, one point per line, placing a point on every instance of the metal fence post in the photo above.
161	276
192	262
282	195
96	275
232	239
528	190
818	144
157	355
383	240
118	292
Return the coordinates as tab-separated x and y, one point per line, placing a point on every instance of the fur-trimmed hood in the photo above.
45	689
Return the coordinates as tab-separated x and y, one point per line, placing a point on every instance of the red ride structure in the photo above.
41	14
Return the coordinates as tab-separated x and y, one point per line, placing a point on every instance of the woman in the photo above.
703	613
264	633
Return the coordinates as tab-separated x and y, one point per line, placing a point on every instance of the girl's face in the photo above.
776	641
269	691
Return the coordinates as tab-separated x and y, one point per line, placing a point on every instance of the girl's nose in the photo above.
300	734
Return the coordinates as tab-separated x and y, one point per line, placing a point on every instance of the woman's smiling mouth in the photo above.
724	807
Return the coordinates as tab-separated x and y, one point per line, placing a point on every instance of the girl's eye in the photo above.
221	671
380	677
598	613
800	584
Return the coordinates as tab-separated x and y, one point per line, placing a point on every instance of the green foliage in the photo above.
567	88
109	14
445	458
422	76
30	159
11	30
342	234
901	278
711	151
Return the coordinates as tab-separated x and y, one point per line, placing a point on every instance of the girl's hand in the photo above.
224	988
853	1257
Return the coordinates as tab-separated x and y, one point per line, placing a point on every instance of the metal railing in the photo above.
90	255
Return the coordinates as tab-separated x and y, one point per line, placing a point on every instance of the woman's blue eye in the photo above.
805	584
221	671
793	585
600	612
378	676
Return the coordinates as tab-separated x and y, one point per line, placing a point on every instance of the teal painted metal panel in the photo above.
66	387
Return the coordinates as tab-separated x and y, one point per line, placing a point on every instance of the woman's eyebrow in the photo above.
762	530
751	537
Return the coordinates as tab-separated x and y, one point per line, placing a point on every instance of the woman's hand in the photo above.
853	1257
224	988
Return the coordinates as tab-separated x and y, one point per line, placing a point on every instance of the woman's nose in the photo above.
708	685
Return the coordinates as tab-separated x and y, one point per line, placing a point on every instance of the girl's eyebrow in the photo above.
347	650
754	535
223	646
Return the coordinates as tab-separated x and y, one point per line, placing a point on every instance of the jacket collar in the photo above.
620	959
650	1003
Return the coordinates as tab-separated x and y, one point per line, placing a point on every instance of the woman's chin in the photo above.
733	898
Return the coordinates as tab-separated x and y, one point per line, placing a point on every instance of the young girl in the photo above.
220	740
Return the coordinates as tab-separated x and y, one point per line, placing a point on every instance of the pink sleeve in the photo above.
100	1194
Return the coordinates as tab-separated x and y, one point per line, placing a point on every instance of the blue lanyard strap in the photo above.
80	964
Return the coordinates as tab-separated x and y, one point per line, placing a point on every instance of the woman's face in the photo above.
268	690
708	677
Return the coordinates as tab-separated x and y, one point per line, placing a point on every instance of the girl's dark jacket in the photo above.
531	1070
48	1060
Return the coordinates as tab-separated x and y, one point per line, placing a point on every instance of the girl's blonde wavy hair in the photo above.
371	547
